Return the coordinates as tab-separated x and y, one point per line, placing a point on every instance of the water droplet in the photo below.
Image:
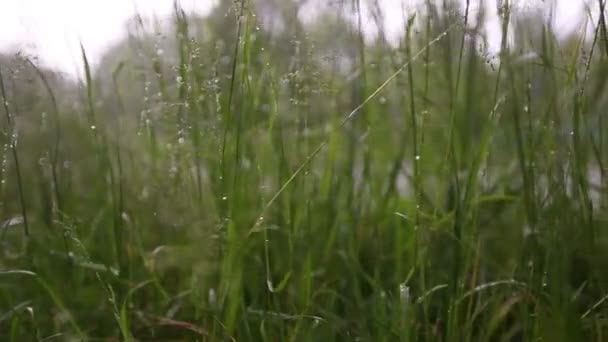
93	127
404	293
417	157
212	297
224	198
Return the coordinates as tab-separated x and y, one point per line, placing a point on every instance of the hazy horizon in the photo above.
52	31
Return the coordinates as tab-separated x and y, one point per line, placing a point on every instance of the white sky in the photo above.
52	29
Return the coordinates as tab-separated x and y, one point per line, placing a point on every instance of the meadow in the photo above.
251	176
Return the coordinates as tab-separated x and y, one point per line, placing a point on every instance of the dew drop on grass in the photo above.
404	293
43	120
316	322
93	127
212	297
14	139
224	198
417	157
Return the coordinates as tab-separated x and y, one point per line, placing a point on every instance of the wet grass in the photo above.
219	181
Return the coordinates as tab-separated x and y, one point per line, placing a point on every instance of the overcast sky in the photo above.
52	29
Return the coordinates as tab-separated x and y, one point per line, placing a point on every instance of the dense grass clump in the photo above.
252	176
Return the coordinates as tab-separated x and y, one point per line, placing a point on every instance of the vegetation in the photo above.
252	176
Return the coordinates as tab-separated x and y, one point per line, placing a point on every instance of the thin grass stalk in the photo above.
102	146
364	121
597	146
89	91
119	204
460	215
13	147
54	145
54	153
149	128
417	183
188	95
231	292
427	70
229	108
602	25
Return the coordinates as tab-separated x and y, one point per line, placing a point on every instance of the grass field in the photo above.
213	179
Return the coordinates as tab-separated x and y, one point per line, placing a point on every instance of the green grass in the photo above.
218	180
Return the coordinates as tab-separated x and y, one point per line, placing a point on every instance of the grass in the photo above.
219	180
